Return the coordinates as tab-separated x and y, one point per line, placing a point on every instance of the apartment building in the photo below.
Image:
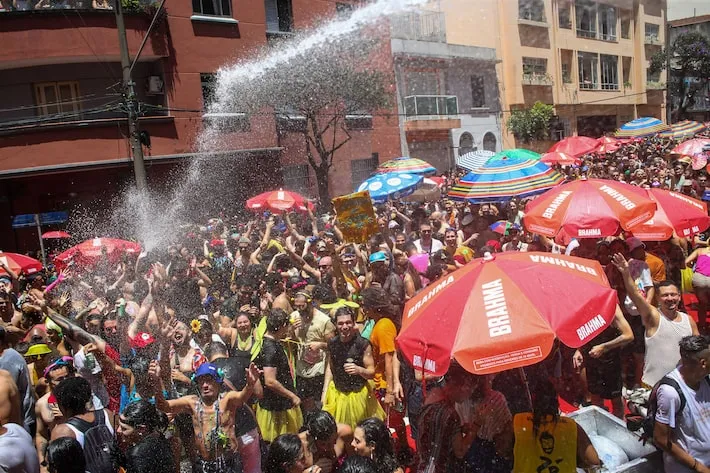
63	124
447	93
588	58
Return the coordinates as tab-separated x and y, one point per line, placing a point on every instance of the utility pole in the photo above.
669	99
131	103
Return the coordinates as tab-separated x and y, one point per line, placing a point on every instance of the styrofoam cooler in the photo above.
642	458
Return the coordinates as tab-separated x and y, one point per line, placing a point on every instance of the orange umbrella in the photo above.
505	312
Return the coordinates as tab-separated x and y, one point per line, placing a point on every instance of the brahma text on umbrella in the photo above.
618	196
563	262
589	328
434	291
555	204
428	365
496	309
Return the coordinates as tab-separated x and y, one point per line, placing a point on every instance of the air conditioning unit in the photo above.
155	85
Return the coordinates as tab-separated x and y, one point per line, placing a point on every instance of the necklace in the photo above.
215	437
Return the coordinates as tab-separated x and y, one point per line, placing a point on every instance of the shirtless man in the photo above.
10	409
212	415
46	409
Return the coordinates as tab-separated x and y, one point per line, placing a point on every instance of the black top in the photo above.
273	356
341	353
235	371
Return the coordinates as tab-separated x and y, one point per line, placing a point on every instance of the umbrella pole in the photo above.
41	243
524	377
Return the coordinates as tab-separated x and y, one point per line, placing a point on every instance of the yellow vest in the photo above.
552	450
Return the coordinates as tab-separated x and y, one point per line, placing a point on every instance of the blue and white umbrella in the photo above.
474	159
390	186
640	127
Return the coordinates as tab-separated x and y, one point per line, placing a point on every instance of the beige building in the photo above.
589	58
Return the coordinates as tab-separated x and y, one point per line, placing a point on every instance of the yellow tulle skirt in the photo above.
351	408
274	423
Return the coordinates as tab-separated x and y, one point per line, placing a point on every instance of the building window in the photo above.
297	178
626	71
58	97
534	66
653	76
490	142
588	73
361	169
344	10
478	92
586	18
607	23
566	73
212	7
422	83
208	81
652	32
533	10
610	72
625	23
465	143
279	16
564	15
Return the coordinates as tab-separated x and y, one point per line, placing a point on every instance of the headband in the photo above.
63	361
308	297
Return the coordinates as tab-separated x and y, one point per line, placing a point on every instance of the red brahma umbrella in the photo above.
589	208
505	312
90	252
55	235
19	263
279	201
677	213
563	159
575	146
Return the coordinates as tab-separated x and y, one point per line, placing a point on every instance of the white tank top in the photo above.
80	435
662	350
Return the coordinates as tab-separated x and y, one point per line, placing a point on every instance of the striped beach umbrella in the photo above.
640	127
502	179
474	159
684	129
408	165
516	153
391	186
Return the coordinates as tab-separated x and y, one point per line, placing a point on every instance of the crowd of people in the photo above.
268	344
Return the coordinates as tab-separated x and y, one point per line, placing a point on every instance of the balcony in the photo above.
537	79
427	26
431	112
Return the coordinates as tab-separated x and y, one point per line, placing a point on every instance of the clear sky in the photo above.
687	8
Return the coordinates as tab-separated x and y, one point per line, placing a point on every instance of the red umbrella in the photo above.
91	251
589	208
505	312
575	146
563	159
279	201
696	150
677	213
608	144
19	263
55	235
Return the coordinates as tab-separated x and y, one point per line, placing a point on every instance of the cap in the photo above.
634	242
208	369
378	257
5	277
467	220
142	340
495	244
393	224
38	349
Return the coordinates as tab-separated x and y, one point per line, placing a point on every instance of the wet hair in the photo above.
692	345
544	403
139	366
320	425
216	348
667	283
272	281
248	281
65	455
142	412
73	394
150	455
325	293
284	452
358	464
55	365
435	271
344	311
375	298
295	283
276	319
377	434
256	272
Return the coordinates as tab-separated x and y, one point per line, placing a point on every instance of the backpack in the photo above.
99	443
648	423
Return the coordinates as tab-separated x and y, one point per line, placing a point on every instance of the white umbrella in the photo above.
474	159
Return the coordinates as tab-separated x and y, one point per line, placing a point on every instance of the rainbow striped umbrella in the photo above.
503	227
408	165
640	127
502	179
684	129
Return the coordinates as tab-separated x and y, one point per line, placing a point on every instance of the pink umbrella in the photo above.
695	149
55	235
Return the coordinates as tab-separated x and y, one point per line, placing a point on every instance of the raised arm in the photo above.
292	229
649	316
138	323
236	399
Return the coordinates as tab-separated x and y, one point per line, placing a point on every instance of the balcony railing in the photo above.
427	26
655	85
537	79
586	33
652	39
588	85
431	105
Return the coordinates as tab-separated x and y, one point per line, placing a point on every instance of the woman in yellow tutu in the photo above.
348	391
278	412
